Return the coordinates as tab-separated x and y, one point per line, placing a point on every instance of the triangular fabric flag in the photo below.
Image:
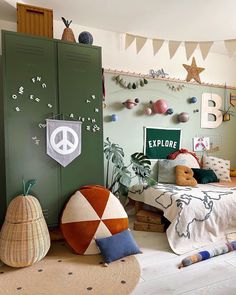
205	48
129	40
140	41
157	43
190	47
230	46
173	46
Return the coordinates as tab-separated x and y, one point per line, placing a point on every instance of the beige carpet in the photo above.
64	273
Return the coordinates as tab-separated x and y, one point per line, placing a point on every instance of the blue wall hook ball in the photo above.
169	111
85	38
193	99
114	117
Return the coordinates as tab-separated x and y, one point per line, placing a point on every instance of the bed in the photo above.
199	216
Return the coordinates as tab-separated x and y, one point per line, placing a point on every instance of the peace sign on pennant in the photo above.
63	140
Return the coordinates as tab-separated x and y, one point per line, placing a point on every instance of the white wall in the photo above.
219	68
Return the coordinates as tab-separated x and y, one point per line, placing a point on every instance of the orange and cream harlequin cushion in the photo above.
91	213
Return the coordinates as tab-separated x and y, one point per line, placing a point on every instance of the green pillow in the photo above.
204	175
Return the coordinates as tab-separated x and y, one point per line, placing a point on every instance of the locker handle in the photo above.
34	11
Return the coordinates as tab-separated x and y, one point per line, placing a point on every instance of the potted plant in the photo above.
119	179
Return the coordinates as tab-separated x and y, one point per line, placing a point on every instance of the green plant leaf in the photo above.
140	165
114	152
125	179
140	159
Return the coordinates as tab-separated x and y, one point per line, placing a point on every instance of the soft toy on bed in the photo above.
184	176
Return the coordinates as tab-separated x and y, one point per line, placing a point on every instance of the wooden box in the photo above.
34	20
144	226
149	217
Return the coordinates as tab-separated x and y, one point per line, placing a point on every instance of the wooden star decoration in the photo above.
193	71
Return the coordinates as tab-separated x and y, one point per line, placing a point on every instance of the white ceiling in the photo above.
191	20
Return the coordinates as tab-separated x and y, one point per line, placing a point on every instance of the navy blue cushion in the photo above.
204	175
117	246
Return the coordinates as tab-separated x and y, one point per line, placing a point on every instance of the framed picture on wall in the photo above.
160	142
201	144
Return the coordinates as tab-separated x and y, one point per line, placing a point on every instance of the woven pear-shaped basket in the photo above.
24	238
68	35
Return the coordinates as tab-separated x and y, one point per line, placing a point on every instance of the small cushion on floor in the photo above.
92	212
117	246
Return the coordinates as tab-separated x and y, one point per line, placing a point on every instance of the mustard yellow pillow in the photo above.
184	176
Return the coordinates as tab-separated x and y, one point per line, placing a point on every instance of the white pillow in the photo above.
189	159
219	166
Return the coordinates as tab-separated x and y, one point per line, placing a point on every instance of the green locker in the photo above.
47	78
80	88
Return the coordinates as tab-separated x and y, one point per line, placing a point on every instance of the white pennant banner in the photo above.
140	42
190	47
173	46
129	40
205	48
157	44
230	46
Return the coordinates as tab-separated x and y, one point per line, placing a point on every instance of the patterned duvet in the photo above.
200	216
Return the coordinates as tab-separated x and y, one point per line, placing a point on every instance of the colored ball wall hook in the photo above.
114	117
160	106
193	99
183	117
169	111
129	103
148	111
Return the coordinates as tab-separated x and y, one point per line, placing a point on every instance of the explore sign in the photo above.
160	142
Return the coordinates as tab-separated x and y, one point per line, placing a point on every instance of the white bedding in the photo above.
199	216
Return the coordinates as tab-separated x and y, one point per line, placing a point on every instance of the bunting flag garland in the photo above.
157	44
129	40
140	42
205	48
190	46
230	46
173	46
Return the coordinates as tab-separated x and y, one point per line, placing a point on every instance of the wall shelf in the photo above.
171	80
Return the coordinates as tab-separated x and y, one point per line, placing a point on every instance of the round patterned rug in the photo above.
61	272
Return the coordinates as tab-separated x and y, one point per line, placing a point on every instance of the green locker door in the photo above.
80	94
30	96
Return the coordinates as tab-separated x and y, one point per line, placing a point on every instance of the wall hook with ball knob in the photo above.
183	117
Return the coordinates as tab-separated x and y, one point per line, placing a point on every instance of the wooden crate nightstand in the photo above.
149	221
